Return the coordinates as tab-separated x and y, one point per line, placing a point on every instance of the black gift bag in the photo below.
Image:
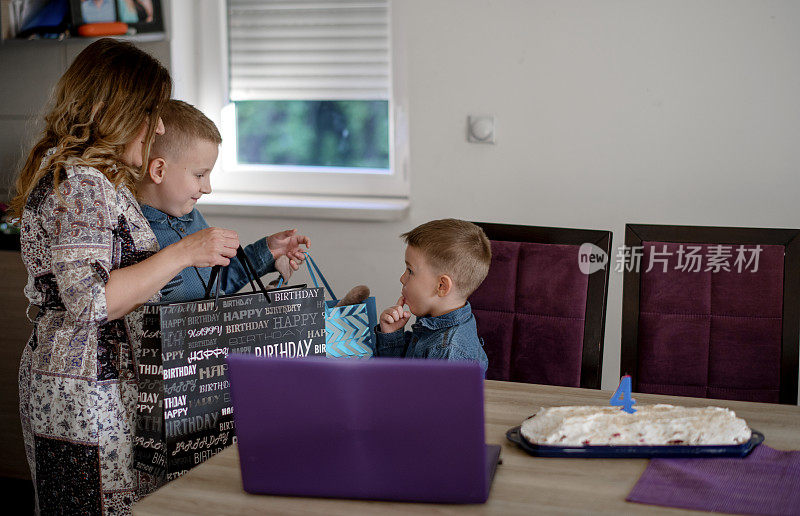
184	411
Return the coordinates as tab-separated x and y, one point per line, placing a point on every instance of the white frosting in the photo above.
649	425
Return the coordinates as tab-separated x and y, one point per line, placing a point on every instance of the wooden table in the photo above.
522	485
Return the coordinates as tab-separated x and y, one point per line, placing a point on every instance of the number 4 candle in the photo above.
622	396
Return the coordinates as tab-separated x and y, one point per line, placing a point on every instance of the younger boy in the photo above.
446	260
178	174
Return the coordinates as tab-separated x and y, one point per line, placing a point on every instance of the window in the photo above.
314	133
309	105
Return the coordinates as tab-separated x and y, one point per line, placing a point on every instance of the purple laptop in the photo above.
381	429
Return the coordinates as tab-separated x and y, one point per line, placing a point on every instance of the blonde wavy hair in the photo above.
99	106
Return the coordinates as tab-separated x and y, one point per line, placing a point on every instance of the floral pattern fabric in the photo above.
78	374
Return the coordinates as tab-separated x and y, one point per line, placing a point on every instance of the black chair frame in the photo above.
635	234
597	290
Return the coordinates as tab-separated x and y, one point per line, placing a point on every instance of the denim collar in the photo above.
447	320
154	215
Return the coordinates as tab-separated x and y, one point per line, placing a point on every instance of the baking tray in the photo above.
673	451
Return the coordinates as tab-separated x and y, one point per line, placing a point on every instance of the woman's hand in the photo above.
209	247
129	287
287	243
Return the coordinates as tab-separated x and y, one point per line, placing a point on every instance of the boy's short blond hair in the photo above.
454	247
183	124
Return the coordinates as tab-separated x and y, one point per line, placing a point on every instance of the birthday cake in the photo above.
650	425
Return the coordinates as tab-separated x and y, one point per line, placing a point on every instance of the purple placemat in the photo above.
765	482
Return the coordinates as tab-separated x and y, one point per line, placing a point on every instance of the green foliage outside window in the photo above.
331	133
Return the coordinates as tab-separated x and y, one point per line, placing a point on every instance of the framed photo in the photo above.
141	15
92	11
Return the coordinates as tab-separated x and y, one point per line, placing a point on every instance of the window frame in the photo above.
208	45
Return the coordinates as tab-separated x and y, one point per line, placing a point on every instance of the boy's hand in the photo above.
394	317
283	268
287	243
209	247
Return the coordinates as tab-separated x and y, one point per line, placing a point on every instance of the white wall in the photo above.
608	112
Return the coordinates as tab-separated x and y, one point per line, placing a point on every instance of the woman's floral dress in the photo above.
78	378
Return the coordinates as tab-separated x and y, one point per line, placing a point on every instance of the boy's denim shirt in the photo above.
190	283
452	336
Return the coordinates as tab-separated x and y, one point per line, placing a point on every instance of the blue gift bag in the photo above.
349	330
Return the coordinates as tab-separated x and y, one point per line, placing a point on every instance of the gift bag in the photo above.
349	330
184	412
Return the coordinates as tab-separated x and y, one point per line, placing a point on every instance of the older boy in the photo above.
446	260
178	174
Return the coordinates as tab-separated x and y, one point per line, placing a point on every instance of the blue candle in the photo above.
622	397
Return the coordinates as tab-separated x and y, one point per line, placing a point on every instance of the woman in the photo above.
92	260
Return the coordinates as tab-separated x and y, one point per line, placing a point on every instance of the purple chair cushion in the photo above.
530	312
710	333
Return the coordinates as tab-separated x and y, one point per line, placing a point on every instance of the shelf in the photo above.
145	37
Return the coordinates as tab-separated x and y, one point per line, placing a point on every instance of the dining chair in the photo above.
541	318
712	312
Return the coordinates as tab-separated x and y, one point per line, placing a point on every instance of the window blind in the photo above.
308	49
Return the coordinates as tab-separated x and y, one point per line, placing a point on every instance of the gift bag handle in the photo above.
309	263
211	279
252	270
249	270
